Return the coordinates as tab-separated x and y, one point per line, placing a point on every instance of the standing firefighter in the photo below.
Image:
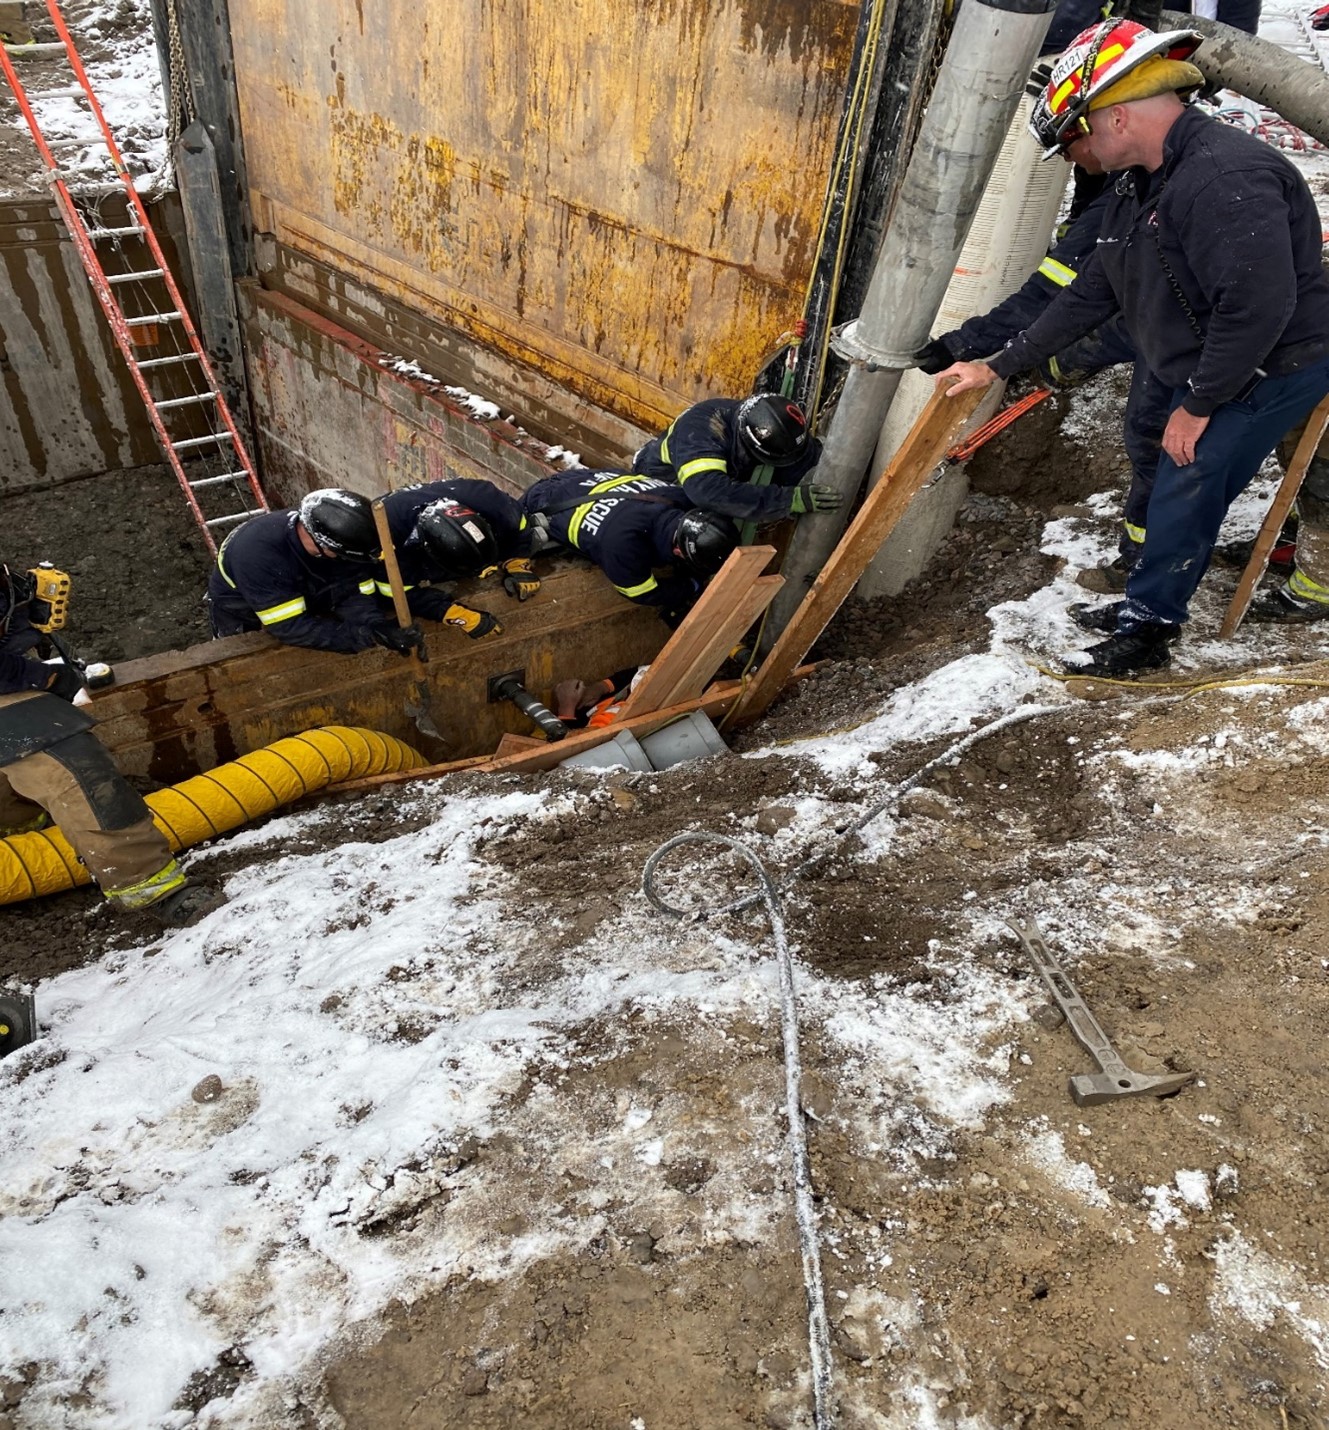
714	450
54	770
1211	251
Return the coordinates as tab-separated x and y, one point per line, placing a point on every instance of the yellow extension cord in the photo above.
210	804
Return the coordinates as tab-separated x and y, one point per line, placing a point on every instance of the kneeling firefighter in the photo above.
54	770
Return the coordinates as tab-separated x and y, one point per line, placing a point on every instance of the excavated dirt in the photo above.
963	1266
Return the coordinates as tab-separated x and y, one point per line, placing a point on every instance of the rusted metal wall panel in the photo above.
625	196
67	405
330	411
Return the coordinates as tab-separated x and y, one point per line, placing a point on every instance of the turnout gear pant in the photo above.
1189	503
1310	580
110	828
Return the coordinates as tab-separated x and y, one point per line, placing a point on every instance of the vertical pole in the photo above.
982	76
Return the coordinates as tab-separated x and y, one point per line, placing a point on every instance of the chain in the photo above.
182	97
1177	289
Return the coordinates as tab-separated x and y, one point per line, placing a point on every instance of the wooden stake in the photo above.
1316	424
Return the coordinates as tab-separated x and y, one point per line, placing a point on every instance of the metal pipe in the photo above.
1261	70
982	76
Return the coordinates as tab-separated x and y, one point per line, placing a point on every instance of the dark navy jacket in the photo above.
17	672
265	580
625	525
701	451
981	336
503	513
1236	224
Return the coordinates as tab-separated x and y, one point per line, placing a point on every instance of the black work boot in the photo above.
1144	648
186	905
1096	618
1281	607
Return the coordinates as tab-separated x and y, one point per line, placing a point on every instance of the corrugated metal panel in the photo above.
624	196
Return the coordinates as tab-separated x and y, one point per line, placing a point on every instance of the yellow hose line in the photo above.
210	804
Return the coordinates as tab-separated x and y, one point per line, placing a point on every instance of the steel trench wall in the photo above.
624	198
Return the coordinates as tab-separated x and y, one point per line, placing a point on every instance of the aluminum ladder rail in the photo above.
189	414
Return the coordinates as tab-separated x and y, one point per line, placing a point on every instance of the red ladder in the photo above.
140	298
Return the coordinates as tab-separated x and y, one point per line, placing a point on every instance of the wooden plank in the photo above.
510	744
1316	425
693	678
886	503
704	636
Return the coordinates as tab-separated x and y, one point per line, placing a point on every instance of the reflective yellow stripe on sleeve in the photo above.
701	464
1135	533
632	591
1057	273
288	610
221	565
382	588
367	587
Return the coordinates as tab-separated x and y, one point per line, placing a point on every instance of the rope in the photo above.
1191	687
819	1344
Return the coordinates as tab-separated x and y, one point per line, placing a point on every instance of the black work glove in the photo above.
815	497
402	639
519	578
66	682
934	357
476	624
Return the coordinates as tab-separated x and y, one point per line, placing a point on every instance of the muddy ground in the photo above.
960	1270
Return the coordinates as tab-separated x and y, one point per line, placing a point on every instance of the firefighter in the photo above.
54	770
454	530
714	449
1304	595
1211	251
628	525
307	577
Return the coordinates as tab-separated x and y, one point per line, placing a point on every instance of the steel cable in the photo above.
805	1215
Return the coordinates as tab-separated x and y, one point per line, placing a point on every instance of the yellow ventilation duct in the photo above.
207	805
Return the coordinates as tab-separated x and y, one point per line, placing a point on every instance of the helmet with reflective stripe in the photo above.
1097	61
343	522
703	540
773	429
458	538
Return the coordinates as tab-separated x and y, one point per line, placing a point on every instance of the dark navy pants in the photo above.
1189	503
1147	411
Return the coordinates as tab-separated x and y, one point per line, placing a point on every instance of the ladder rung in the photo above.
48	47
95	191
68	91
167	362
185	401
239	516
202	441
95	233
130	277
217	481
149	318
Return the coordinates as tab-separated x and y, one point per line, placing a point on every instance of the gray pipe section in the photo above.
987	62
1260	70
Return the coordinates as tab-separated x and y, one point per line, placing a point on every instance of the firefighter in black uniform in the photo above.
53	769
306	577
628	525
453	530
714	450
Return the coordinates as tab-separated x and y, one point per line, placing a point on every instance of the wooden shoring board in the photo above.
706	635
927	443
1311	437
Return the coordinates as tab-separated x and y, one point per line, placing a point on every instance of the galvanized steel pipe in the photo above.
983	73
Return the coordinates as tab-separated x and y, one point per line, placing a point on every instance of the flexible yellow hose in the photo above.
210	804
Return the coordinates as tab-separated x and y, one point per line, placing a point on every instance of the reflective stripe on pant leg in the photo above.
148	891
112	831
1189	503
1310	580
